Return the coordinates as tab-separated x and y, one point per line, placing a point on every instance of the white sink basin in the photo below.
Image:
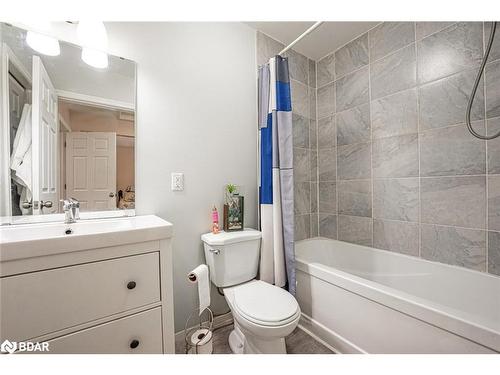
23	241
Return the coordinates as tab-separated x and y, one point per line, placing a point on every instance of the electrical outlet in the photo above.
177	181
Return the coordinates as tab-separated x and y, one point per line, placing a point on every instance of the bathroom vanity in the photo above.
95	286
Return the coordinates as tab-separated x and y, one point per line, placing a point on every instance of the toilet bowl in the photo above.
264	314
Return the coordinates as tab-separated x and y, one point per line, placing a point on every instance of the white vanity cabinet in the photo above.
104	288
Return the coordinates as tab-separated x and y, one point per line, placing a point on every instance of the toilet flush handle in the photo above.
215	251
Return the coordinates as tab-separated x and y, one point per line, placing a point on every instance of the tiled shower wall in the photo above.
303	88
397	167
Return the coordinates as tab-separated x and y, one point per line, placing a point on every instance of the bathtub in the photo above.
358	299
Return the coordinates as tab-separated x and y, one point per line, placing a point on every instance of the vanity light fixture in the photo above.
94	40
42	43
95	58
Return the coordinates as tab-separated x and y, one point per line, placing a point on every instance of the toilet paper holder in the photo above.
199	344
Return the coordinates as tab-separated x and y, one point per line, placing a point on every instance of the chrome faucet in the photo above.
71	209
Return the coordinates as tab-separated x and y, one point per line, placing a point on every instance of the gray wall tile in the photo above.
302	227
355	198
494	203
495	47
326	132
312	103
389	37
449	51
328	226
452	151
302	197
355	229
327	164
266	48
312	73
427	28
314	225
444	102
352	56
395	114
300	131
393	73
494	253
326	100
313	136
396	199
354	161
459	201
298	66
456	246
300	98
352	90
328	197
396	156
313	162
494	146
314	197
326	70
396	236
353	125
492	73
301	164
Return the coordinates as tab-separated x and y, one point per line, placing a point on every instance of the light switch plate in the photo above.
177	181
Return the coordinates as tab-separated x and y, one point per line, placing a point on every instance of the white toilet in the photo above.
263	314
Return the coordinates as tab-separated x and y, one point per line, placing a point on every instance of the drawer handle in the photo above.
131	285
134	344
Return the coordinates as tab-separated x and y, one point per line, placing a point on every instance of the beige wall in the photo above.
125	168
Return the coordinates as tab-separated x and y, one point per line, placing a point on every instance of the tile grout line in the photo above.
337	229
487	224
371	138
418	150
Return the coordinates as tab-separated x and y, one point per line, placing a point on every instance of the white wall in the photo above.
196	114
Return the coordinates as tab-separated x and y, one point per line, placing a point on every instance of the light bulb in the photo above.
43	43
92	34
95	58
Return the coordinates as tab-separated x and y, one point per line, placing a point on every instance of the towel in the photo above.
20	161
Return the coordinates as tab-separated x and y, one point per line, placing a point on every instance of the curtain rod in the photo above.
305	33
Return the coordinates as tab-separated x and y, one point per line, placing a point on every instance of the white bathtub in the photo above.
362	300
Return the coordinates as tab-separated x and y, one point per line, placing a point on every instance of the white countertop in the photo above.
31	240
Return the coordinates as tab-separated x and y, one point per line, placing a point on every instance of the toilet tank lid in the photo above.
224	238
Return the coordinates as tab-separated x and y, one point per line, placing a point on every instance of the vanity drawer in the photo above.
139	333
39	303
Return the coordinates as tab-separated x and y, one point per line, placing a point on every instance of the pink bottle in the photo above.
215	220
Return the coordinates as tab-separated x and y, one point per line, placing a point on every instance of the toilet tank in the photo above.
232	257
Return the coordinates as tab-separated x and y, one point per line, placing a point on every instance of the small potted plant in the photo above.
233	209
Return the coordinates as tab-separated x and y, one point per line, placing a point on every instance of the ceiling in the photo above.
326	38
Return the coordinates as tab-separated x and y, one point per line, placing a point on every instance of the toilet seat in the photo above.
265	304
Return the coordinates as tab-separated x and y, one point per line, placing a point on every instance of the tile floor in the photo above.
298	342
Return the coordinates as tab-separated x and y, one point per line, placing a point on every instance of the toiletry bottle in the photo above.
215	221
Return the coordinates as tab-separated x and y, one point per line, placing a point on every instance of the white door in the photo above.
91	169
44	143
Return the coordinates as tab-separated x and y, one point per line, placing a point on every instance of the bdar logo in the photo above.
8	347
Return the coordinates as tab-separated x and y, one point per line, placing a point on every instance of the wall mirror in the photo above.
68	129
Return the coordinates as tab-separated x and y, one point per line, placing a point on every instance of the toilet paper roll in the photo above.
201	342
200	276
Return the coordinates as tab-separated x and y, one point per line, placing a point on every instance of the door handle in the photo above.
111	194
46	204
27	205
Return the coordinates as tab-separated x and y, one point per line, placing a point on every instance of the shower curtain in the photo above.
277	263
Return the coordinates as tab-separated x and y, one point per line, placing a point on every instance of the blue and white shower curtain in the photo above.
277	263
